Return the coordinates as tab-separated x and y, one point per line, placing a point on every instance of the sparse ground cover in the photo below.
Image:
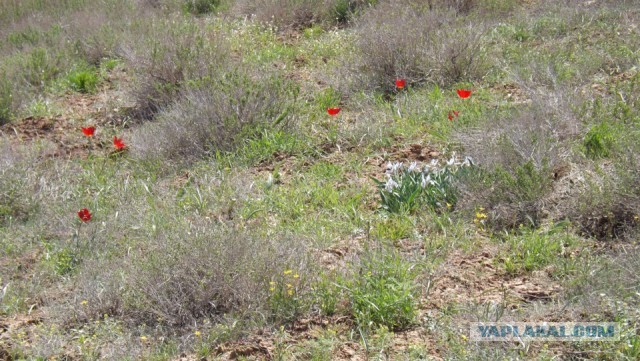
302	180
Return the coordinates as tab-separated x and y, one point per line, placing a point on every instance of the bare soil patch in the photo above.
62	131
512	93
465	278
413	153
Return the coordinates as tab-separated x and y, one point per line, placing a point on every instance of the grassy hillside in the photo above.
316	180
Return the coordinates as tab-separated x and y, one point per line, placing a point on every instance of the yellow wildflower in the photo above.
290	292
197	333
296	275
84	302
288	272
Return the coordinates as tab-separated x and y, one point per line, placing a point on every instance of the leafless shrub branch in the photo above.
214	117
411	40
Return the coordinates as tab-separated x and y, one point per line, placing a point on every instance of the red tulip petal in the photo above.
464	93
333	111
118	143
84	215
88	131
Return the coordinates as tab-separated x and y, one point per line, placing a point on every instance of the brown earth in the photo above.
62	133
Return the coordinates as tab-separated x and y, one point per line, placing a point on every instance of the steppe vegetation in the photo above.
316	180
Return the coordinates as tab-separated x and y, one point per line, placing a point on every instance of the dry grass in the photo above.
607	208
215	116
541	132
172	52
300	14
409	40
617	279
17	203
177	281
232	178
43	41
520	154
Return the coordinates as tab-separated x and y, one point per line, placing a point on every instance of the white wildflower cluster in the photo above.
409	187
390	185
397	169
394	168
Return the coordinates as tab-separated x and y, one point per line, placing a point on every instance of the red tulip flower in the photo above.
452	114
84	215
118	143
400	83
333	111
464	93
89	131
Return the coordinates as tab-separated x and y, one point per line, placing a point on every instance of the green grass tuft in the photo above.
83	80
383	292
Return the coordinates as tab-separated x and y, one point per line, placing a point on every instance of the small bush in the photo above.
16	200
407	39
216	116
604	221
40	67
344	10
177	281
607	203
166	58
606	120
618	278
517	158
607	206
301	14
64	261
513	196
542	133
94	35
284	14
384	292
152	95
200	7
598	141
525	184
